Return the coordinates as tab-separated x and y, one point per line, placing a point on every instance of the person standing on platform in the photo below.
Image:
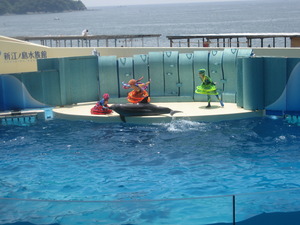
207	87
139	93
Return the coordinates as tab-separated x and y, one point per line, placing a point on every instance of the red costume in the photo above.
101	107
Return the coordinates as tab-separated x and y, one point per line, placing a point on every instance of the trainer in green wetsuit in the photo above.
208	87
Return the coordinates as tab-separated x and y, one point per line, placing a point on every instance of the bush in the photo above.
38	6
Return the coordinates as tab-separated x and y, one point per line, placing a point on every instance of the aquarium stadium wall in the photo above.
252	82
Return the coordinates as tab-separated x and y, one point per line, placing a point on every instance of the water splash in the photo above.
184	126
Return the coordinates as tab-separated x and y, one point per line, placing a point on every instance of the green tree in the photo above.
4	7
38	6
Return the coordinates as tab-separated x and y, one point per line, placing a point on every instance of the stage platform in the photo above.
194	111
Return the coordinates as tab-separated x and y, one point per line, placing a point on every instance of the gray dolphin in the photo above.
141	109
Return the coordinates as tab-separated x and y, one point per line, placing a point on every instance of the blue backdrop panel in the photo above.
51	89
289	101
33	84
275	78
186	71
253	83
64	70
42	86
47	64
82	79
239	81
230	74
108	76
216	70
201	59
291	64
171	73
242	53
156	73
14	95
125	66
140	67
293	91
78	79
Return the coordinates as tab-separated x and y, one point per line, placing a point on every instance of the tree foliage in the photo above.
39	6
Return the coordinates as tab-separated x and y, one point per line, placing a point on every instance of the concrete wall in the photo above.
174	76
254	83
269	83
251	82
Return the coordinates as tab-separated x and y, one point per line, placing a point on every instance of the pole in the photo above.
233	209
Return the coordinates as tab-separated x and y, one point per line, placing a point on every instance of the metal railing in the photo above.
237	40
139	40
271	40
195	210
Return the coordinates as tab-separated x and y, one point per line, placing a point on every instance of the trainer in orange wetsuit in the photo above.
139	93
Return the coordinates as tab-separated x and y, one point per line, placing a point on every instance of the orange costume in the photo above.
139	93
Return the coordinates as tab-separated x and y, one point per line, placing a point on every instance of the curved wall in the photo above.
252	82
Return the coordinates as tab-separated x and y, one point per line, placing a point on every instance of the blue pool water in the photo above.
87	161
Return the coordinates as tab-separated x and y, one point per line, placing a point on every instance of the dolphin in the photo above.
140	109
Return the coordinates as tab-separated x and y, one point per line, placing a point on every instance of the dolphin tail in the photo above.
173	112
123	118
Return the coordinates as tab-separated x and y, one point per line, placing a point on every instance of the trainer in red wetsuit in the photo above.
101	107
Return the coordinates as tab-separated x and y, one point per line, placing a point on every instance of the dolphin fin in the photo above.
173	112
123	118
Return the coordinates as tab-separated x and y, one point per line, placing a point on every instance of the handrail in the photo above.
220	40
86	41
233	196
249	37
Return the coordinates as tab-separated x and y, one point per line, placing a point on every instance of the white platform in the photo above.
194	111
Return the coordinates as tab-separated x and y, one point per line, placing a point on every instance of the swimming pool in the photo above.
75	171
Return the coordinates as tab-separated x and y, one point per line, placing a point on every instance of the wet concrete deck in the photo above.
194	111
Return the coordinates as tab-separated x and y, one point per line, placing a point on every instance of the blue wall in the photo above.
251	82
269	83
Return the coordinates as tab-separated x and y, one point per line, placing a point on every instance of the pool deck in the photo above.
194	111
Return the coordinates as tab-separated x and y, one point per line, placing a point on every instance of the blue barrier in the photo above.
288	102
125	72
186	75
108	76
229	74
171	73
140	66
156	73
252	82
14	95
